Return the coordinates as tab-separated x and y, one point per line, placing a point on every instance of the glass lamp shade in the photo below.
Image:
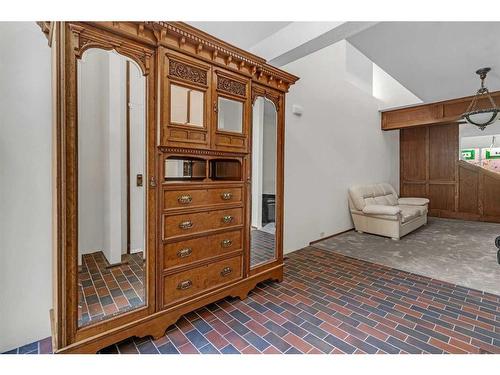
482	118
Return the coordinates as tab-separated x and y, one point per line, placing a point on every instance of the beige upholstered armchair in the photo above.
377	209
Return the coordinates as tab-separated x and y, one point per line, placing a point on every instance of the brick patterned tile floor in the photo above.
104	292
330	303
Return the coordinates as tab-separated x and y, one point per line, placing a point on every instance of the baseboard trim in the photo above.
327	237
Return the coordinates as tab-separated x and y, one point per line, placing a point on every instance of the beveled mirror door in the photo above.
230	115
480	147
112	183
264	183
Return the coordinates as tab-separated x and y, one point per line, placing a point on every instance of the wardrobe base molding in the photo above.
156	324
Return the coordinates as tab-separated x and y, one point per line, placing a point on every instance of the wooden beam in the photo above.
445	112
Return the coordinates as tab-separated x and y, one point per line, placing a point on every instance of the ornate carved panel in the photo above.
272	95
187	72
231	86
88	37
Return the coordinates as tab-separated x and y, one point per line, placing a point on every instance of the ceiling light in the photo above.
481	117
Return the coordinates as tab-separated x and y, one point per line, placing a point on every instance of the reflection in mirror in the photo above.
481	147
186	106
264	147
111	191
181	169
230	115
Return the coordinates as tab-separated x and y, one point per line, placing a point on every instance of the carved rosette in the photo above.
230	86
187	72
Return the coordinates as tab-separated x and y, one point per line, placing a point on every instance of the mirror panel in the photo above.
185	169
264	158
481	147
230	115
186	106
111	186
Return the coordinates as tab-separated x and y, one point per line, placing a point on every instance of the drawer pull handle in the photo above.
226	271
183	253
226	243
226	196
186	224
227	219
185	285
185	199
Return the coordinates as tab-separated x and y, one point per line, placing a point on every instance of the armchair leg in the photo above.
395	238
360	231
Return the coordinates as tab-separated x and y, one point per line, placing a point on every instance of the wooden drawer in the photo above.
187	284
200	197
189	251
186	224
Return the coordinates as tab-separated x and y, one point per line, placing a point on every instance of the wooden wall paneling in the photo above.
443	152
491	194
414	189
442	196
429	167
468	185
413	154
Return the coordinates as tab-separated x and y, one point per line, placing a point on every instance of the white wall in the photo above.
269	148
337	142
257	159
25	185
137	158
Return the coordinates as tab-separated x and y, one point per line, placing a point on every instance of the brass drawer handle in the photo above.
226	243
185	285
226	196
186	224
226	271
185	199
183	253
227	219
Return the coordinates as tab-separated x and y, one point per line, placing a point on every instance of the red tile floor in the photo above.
330	303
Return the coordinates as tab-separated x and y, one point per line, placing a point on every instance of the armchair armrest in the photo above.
413	201
378	209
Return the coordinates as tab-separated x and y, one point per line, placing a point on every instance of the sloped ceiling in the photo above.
434	60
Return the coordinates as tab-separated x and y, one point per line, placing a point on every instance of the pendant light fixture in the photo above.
481	117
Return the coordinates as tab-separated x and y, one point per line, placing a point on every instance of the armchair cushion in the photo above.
378	209
413	201
409	213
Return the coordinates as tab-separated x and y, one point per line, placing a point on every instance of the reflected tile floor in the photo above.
262	247
330	303
104	292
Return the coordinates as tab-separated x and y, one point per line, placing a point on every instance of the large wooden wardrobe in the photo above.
159	133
